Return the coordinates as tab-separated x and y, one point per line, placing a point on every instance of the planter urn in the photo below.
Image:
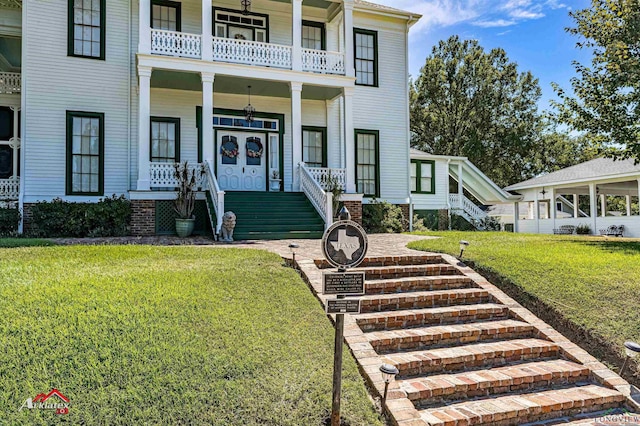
184	227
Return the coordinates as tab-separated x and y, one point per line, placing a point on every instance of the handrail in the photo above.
252	52
323	61
217	195
323	175
320	199
175	43
466	205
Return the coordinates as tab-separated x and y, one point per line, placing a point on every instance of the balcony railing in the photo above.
173	43
9	82
162	175
9	189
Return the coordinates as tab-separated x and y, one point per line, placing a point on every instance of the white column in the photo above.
144	26
348	38
628	203
144	137
552	207
593	206
296	131
576	207
349	140
536	211
296	35
207	31
207	116
603	205
516	217
460	185
15	141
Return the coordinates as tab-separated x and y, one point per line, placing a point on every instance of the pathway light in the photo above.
389	372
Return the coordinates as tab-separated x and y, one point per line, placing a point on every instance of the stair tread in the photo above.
505	376
462	293
437	311
502	408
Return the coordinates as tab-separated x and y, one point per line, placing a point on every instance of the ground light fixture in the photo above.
294	247
389	372
632	349
463	246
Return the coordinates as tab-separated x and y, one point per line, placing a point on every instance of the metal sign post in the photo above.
344	246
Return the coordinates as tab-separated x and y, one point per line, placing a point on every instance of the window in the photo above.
422	176
87	28
165	140
367	160
366	57
314	147
166	15
8	126
559	206
313	35
85	153
234	24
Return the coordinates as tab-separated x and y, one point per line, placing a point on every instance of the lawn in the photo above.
167	335
593	282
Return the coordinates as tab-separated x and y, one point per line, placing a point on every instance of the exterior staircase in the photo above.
467	354
273	216
462	206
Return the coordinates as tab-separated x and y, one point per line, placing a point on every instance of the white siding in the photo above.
438	200
56	83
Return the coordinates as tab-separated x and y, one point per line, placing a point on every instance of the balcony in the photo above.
179	44
9	82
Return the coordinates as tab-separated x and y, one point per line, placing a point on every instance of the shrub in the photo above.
9	220
419	224
459	223
382	217
110	217
583	229
490	224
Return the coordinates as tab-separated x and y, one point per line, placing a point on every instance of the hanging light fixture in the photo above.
249	110
246	6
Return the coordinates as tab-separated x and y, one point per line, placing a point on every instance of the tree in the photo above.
473	103
606	105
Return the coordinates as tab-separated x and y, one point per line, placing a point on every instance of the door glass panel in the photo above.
229	150
254	151
240	33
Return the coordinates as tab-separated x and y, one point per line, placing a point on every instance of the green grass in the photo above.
24	242
167	335
594	282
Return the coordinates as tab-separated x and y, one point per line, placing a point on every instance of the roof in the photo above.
600	168
382	8
416	153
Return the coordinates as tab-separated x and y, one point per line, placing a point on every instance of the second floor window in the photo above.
165	15
87	28
313	35
366	57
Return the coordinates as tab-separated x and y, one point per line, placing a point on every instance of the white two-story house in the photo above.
270	96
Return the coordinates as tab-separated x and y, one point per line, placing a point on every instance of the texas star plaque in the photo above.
344	244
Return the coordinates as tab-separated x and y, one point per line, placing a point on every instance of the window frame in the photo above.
323	34
376	133
322	130
419	164
375	55
173	120
240	25
71	32
168	3
70	115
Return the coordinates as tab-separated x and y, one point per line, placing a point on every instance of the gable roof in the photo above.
363	4
600	168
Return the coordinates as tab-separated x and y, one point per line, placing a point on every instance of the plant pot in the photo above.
184	227
274	185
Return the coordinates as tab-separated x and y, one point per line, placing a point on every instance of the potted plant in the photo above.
185	201
275	181
332	184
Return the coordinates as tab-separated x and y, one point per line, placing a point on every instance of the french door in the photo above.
241	161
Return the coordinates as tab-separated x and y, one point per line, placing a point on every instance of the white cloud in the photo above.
525	14
493	23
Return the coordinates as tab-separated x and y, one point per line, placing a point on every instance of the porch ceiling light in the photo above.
249	110
246	6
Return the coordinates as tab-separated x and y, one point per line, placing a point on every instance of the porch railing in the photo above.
320	199
324	176
162	175
251	52
467	209
322	61
175	43
10	82
217	196
9	189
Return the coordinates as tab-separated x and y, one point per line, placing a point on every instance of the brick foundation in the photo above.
443	220
407	216
355	208
143	217
27	217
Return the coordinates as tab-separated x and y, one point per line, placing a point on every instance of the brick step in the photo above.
422	299
391	320
399	285
617	416
387	272
470	357
519	409
426	259
437	389
447	335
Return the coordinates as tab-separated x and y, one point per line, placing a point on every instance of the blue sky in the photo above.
532	32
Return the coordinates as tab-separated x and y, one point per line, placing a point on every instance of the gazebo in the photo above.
603	192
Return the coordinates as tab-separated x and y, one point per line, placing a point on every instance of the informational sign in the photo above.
343	306
345	244
343	283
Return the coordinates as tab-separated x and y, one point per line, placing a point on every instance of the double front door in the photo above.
241	161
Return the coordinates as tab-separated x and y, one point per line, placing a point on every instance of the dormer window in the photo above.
238	26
